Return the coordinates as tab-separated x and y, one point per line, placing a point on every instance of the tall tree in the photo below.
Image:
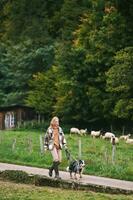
28	19
88	58
42	94
120	84
19	63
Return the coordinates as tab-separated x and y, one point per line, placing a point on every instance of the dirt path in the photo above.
85	180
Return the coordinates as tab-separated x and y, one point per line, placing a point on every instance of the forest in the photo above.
70	58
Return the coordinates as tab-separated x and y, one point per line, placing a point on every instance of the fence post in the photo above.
113	153
41	144
106	155
79	148
14	144
123	130
30	145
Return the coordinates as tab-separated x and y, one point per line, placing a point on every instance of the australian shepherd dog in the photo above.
76	167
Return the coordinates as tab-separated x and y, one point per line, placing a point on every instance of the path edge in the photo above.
18	176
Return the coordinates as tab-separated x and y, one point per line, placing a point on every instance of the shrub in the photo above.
15	175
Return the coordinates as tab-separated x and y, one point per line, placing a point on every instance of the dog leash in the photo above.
69	155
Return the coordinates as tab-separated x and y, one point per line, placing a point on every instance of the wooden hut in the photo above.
11	116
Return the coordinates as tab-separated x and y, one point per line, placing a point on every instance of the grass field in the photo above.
23	147
13	191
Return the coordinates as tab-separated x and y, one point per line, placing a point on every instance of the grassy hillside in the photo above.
23	147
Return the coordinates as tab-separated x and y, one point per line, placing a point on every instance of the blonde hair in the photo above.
53	121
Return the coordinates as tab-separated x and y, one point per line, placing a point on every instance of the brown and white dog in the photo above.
76	167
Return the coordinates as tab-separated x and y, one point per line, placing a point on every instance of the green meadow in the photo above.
24	147
13	191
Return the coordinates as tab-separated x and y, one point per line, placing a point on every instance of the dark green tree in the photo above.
43	91
87	59
19	63
120	84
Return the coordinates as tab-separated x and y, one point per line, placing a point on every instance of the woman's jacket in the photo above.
49	139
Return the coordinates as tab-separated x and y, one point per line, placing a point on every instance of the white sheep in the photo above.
83	131
75	130
108	135
95	133
114	139
125	137
129	141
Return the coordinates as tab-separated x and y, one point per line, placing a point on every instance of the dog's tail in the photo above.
67	169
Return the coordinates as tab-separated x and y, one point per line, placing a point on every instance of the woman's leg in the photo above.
56	154
59	155
55	159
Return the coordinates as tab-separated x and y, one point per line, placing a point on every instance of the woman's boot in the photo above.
51	169
57	170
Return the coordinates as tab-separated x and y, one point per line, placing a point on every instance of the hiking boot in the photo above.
51	169
50	172
57	170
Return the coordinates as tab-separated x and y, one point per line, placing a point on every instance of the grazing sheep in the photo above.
95	134
125	137
75	130
114	140
83	131
108	135
129	141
